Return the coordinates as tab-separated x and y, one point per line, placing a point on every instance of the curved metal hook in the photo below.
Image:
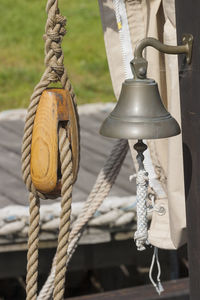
139	63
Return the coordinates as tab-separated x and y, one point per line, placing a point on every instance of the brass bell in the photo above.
139	113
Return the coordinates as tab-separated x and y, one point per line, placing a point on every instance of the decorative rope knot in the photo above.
142	178
55	71
60	20
141	235
55	31
141	240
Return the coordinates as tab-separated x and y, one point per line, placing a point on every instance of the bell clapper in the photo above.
140	147
142	182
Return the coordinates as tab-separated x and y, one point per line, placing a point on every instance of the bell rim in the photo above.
120	129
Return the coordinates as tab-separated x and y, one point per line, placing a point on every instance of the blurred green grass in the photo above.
22	51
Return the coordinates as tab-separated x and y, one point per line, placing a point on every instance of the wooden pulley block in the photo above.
55	109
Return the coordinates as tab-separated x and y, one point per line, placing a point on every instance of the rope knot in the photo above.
141	240
142	178
55	30
59	19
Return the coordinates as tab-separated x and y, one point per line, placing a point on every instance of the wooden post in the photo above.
188	21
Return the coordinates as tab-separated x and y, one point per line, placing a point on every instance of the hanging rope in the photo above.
32	255
55	71
66	193
141	235
101	188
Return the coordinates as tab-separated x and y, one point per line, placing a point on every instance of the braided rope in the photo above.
55	71
141	234
100	190
142	182
67	179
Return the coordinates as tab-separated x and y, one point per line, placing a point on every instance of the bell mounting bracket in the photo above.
139	63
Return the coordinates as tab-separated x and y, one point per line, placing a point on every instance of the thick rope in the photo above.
104	182
32	255
101	188
142	182
141	235
63	237
55	71
55	30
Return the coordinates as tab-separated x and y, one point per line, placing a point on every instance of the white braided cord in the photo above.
141	235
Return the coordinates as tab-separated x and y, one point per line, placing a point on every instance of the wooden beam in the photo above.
174	290
86	257
188	21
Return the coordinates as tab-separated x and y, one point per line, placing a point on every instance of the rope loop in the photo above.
55	71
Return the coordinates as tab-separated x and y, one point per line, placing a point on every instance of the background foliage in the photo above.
22	47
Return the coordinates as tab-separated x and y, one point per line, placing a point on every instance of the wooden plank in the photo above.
10	163
86	181
92	146
93	163
99	118
78	195
5	200
95	119
9	138
99	146
13	189
174	290
14	126
188	21
86	257
15	148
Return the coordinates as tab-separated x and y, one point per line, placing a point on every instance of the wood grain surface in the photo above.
44	148
174	290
